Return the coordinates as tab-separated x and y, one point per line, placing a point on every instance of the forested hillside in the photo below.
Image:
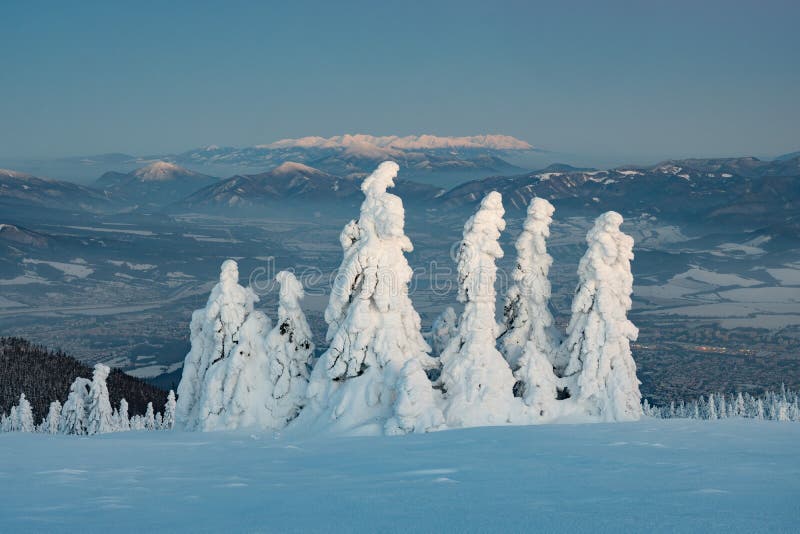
43	376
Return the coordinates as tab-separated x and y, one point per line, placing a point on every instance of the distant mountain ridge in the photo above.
293	181
716	188
17	188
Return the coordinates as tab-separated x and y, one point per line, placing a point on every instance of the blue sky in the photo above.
634	81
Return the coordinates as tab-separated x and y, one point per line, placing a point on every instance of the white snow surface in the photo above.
730	475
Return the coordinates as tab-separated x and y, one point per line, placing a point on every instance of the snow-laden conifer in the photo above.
73	413
169	411
526	313
53	418
149	417
209	396
123	420
23	421
290	349
236	388
99	412
476	379
601	368
373	329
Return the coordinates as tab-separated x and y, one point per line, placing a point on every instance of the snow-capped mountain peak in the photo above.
159	171
292	167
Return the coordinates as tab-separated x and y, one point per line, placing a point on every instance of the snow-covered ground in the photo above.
651	476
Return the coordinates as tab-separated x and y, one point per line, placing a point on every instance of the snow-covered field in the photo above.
651	476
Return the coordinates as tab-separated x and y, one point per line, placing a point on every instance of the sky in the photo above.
635	81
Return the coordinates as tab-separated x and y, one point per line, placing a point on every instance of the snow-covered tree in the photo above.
149	418
23	421
415	396
236	388
526	313
738	407
601	370
291	349
530	340
476	379
123	420
444	328
73	413
99	407
53	418
373	329
711	408
137	422
227	344
169	411
12	422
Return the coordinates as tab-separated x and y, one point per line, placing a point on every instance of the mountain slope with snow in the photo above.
721	189
654	475
158	183
22	189
292	181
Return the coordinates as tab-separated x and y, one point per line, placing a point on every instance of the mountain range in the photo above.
716	189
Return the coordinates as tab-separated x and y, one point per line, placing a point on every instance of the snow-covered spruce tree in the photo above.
236	388
290	349
526	313
99	408
123	421
373	329
444	328
206	391
73	413
149	417
51	422
601	371
711	408
530	340
476	379
169	411
12	421
24	416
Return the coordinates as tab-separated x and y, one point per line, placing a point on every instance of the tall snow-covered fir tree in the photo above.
149	417
24	416
373	329
526	313
476	379
224	372
168	422
99	410
53	418
601	372
530	341
73	413
291	349
123	419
